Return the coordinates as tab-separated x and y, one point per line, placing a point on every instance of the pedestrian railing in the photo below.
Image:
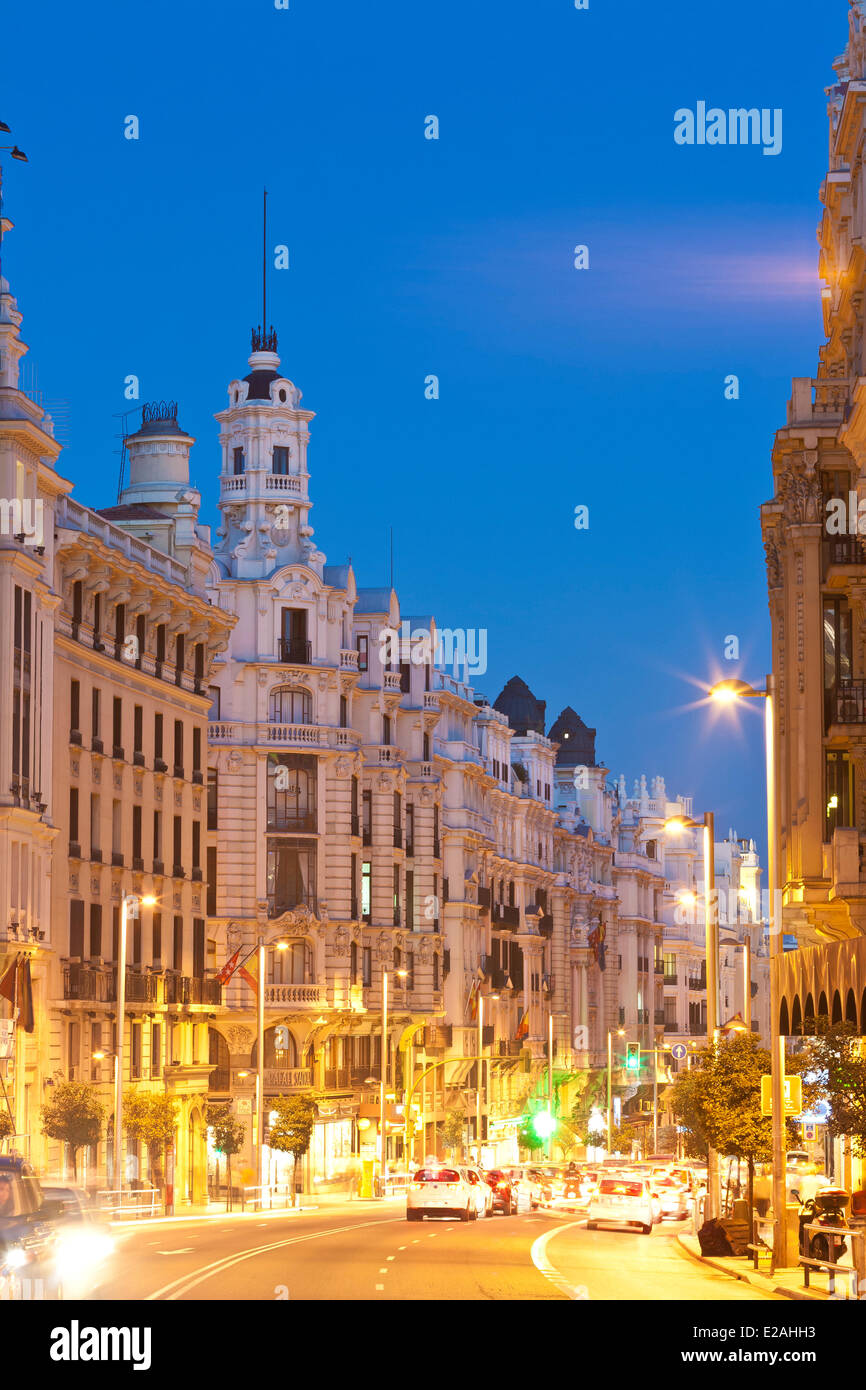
836	1234
267	1197
121	1204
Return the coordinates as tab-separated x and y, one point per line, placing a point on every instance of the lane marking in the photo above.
392	1257
177	1287
187	1250
538	1254
401	1247
380	1288
383	1270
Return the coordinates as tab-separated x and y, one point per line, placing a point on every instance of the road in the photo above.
367	1251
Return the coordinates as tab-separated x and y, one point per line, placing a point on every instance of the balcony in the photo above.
336	1078
141	988
292	1079
348	659
294	651
295	996
436	1037
91	983
116	859
508	1047
187	989
658	968
220	1080
671	1025
545	925
484	898
848	703
841	550
659	1017
278	903
697	982
505	917
302	822
671	979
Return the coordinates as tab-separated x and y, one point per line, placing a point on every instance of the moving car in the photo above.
674	1198
502	1190
84	1240
441	1191
483	1195
27	1234
623	1201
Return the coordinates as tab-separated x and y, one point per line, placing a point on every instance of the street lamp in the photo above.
673	826
127	902
621	1034
727	693
480	1064
383	1074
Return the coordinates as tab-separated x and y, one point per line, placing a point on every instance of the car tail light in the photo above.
502	1184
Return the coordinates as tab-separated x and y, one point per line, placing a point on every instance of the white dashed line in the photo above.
391	1257
539	1257
383	1270
380	1287
401	1247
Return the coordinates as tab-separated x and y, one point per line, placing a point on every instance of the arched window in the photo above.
293	966
651	849
289	706
218	1056
281	1050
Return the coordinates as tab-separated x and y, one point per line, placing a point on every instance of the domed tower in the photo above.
264	496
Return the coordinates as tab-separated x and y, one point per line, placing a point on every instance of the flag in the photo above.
473	1000
8	980
250	979
25	996
229	968
523	1027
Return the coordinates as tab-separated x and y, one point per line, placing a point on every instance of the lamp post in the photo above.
550	1080
729	692
620	1033
711	956
383	1075
127	902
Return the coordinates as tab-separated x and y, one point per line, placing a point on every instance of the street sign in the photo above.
7	1039
793	1095
678	1051
808	1130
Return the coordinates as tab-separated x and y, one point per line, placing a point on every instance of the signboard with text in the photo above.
793	1095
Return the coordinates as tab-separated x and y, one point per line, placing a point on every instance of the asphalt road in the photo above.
367	1251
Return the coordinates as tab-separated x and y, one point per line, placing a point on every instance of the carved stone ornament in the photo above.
424	949
426	796
774	564
298	922
96	772
138	786
383	782
75	767
385	946
73	883
94	888
234	937
343	767
324	680
234	761
801	497
239	1038
341	942
263	676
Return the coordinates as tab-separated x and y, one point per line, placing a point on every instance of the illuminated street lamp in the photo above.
728	692
129	901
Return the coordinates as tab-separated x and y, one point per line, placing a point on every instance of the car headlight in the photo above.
81	1250
15	1257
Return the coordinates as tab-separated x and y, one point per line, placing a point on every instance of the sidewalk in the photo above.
786	1282
216	1211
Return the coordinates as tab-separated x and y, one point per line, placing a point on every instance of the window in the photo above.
410	829
425	748
136	835
353	962
196	844
156	1049
362	644
367	817
157	836
292	781
291	874
73	815
366	889
119	629
366	965
178	748
76	928
75	706
97	622
651	849
94	713
179	658
135	1051
386	729
73	1050
238	464
95	842
293	966
77	605
410	969
398	820
396	895
198	947
157	737
117	726
160	648
839	780
156	939
177	951
212	799
95	1046
435	972
116	828
280	459
410	900
137	729
196	749
354	888
289	706
177	861
214	695
344	712
211	904
141	635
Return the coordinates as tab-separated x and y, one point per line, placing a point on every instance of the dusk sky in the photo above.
412	257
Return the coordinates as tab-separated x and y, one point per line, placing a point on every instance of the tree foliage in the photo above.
836	1058
527	1137
228	1131
452	1129
74	1115
150	1117
292	1129
7	1124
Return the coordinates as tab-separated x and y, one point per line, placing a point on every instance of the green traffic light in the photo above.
543	1124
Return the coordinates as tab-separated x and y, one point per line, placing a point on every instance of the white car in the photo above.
442	1191
483	1191
674	1198
623	1201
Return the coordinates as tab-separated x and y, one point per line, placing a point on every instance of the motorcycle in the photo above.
827	1208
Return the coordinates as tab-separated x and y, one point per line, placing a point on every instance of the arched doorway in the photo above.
796	1016
219	1081
784	1025
837	1008
809	1016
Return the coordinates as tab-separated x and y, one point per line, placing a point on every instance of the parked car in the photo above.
441	1192
483	1195
623	1201
502	1190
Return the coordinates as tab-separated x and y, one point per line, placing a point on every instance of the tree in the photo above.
452	1129
624	1138
527	1137
719	1100
229	1134
292	1129
7	1125
836	1059
151	1119
74	1115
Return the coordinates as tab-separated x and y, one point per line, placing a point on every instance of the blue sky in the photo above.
454	257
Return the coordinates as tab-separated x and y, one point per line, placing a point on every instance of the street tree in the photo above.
528	1137
229	1134
292	1128
7	1125
452	1129
74	1115
836	1060
151	1119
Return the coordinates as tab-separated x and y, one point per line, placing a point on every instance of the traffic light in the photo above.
543	1124
632	1056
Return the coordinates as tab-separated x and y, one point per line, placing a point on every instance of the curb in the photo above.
757	1281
